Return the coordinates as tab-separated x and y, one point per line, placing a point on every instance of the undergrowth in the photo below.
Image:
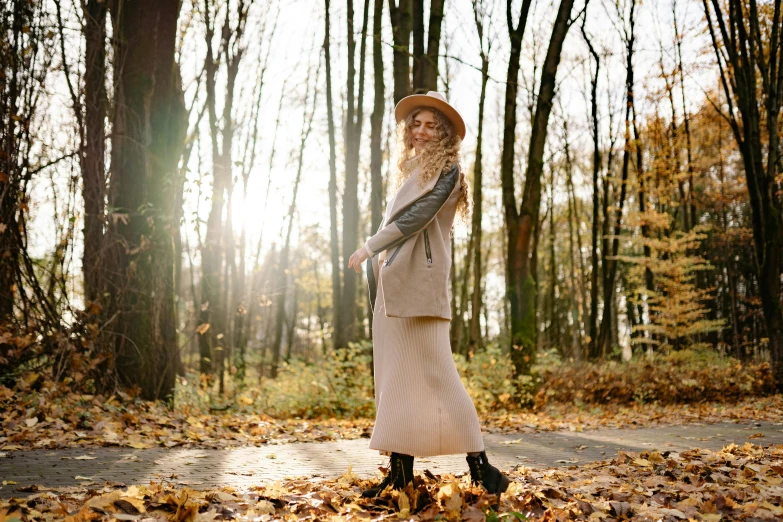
339	384
677	377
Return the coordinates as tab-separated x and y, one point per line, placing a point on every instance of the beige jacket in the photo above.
412	248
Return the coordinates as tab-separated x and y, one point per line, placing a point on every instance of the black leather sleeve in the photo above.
371	283
418	214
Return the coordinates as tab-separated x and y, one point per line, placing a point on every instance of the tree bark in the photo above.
13	17
94	171
417	31
401	22
149	131
429	61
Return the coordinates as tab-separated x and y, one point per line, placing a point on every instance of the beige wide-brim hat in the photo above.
432	99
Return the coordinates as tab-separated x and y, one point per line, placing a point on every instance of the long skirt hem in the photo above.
422	407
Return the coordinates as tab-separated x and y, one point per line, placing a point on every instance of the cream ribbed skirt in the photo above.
422	407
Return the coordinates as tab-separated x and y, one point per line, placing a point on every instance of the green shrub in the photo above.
338	385
488	377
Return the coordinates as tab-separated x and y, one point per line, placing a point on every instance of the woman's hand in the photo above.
357	258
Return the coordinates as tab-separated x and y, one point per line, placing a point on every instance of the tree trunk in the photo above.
376	125
211	319
741	81
523	225
605	334
149	131
507	167
685	118
353	134
428	63
400	16
576	342
592	328
12	19
476	305
334	243
417	30
282	266
94	172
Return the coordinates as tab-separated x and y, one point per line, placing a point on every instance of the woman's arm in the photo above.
416	216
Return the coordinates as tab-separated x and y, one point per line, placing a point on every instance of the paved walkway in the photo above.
203	468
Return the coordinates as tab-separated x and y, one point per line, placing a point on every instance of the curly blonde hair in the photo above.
443	152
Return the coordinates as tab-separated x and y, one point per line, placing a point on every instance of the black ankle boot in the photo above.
400	475
484	473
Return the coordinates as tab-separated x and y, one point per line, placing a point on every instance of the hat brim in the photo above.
407	104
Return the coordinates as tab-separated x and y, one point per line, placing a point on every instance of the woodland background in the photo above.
181	184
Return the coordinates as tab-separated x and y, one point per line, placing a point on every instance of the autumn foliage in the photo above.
680	377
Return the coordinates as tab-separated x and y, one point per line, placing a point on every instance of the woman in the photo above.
422	407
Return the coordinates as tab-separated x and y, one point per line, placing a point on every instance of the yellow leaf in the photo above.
32	421
264	507
656	457
202	328
404	504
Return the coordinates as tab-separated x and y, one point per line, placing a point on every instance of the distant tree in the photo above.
482	20
678	308
603	344
283	262
354	118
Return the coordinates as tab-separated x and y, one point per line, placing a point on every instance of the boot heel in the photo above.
503	485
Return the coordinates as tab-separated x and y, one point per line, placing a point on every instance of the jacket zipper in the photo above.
391	258
427	247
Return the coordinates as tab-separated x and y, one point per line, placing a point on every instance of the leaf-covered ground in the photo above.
736	483
40	420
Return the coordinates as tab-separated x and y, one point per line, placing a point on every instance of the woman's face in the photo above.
422	130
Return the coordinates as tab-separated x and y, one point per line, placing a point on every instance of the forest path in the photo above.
208	468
